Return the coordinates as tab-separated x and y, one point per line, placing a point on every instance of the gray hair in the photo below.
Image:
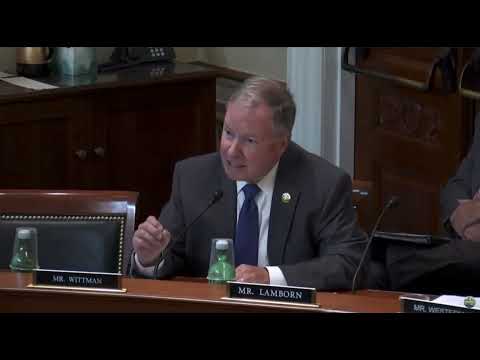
259	90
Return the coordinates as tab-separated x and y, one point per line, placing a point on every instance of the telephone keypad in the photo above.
157	52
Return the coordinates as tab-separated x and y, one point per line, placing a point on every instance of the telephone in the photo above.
123	57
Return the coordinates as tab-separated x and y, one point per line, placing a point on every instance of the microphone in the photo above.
390	204
217	195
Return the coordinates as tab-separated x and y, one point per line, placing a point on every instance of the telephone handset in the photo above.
123	57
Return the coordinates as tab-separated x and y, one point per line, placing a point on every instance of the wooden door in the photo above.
412	128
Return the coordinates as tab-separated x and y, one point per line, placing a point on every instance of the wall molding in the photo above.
325	100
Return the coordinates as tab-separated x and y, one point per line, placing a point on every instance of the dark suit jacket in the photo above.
449	268
464	184
314	239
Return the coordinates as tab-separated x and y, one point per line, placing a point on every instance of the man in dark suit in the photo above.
460	198
307	233
453	267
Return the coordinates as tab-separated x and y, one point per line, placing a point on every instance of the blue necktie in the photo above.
246	239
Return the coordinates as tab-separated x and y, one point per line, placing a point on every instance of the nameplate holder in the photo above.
426	306
76	280
252	292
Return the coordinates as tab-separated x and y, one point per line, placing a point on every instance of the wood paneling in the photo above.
124	131
409	142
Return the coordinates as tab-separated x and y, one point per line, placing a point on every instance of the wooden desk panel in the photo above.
171	296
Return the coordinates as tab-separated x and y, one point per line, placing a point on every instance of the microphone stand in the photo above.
217	195
391	203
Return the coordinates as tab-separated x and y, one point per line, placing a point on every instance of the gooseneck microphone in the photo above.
393	202
217	195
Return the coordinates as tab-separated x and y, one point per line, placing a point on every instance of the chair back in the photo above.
78	230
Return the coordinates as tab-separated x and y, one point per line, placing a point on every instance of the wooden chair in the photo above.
78	230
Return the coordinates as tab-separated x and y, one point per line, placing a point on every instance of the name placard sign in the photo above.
415	305
76	280
271	293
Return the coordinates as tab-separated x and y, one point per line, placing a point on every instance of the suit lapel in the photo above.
284	201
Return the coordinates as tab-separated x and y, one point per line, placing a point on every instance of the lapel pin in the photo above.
286	198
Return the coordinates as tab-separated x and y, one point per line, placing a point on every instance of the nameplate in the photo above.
274	293
76	280
414	305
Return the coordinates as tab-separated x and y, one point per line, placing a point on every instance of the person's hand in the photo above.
472	232
466	214
253	274
149	241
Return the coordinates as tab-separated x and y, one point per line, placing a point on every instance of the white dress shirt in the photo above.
264	203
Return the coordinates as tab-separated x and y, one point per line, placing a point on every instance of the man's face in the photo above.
250	147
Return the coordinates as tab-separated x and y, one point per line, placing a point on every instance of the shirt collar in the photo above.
265	184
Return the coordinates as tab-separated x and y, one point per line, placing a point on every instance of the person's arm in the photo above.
257	274
145	271
149	245
275	276
471	230
458	188
340	243
149	242
172	216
